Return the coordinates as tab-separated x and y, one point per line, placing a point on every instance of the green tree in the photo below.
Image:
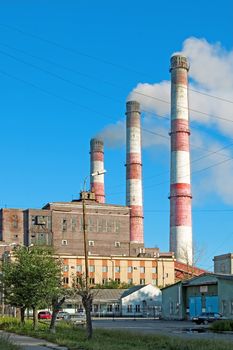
31	278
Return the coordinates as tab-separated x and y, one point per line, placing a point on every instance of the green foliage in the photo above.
223	325
75	339
31	278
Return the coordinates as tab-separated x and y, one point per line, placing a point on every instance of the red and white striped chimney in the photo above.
134	171
97	165
180	188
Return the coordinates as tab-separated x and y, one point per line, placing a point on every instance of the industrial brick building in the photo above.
115	233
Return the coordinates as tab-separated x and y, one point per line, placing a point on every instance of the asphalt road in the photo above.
185	329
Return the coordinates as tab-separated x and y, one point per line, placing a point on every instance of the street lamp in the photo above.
96	173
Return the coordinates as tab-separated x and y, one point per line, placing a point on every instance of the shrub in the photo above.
223	325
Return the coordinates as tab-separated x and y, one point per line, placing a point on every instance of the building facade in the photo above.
223	263
206	293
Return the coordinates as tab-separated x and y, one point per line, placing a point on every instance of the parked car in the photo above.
44	315
78	319
206	317
63	315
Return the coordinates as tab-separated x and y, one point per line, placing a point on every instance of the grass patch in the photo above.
6	344
75	338
223	325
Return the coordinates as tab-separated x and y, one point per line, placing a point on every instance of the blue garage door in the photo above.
194	306
211	304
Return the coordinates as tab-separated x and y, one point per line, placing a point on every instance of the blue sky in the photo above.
67	68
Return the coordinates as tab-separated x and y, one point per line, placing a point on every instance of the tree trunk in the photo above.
35	319
22	315
87	303
56	307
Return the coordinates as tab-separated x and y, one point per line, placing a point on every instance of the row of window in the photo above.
130	269
105	281
92	225
90	243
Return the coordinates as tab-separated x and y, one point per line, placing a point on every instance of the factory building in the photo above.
115	233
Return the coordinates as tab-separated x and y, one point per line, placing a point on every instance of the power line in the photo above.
74	51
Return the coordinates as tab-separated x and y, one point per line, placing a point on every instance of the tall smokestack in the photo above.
134	171
97	164
180	188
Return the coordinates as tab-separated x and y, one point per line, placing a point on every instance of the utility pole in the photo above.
85	240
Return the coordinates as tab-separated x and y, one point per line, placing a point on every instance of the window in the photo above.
15	221
117	244
137	308
104	280
91	225
92	268
65	280
130	281
154	282
129	308
109	308
79	268
91	280
64	242
154	269
91	243
116	226
142	269
117	308
142	280
64	225
130	269
104	269
117	280
73	224
65	268
117	269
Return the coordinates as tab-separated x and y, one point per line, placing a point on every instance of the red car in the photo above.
44	315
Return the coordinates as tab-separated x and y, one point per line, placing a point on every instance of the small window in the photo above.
117	280
154	269
117	244
65	268
65	280
109	308
142	280
73	224
154	282
104	281
79	268
130	308
130	269
91	280
137	308
15	221
130	281
142	269
91	243
92	268
64	225
104	269
117	269
64	242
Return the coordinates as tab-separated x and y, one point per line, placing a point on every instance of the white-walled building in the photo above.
141	301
